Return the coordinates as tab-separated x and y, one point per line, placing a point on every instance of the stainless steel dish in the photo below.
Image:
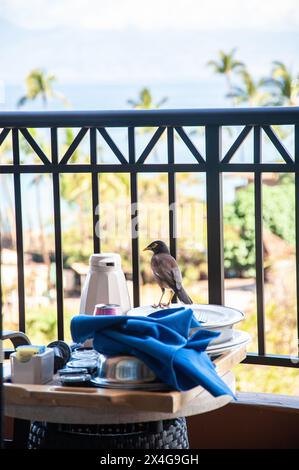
124	369
90	365
147	386
85	354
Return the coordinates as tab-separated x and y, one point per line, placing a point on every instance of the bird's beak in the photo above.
146	249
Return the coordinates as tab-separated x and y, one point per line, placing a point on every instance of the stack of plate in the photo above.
215	318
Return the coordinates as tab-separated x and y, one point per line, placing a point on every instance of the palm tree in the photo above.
226	65
145	101
38	83
283	85
250	91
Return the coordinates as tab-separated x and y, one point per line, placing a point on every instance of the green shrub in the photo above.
239	223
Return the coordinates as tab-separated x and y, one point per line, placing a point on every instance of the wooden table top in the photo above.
55	403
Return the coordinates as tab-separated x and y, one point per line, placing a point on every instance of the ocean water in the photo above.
103	96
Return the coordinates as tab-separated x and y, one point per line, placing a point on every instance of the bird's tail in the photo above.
183	296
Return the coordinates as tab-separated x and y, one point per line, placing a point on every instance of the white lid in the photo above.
109	260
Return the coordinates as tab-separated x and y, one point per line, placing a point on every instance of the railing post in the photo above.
214	215
19	230
172	212
171	194
259	248
297	223
134	219
58	240
95	191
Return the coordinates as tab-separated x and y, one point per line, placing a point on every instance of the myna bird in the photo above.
167	273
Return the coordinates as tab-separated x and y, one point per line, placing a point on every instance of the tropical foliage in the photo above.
145	100
239	223
226	65
249	91
39	84
284	85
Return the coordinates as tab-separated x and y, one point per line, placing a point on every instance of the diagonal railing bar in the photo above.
112	145
33	144
151	144
237	143
73	146
180	131
3	135
277	144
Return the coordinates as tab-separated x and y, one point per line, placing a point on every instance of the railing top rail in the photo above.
158	117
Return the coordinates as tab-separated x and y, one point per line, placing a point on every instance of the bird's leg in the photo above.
169	300
160	300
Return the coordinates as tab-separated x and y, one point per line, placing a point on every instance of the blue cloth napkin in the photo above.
161	340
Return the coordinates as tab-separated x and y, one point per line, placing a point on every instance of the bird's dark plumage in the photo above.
166	270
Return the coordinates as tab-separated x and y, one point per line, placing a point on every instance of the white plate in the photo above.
218	316
226	333
238	338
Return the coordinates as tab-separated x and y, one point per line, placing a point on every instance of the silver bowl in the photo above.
124	369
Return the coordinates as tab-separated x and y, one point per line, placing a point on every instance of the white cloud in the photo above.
265	15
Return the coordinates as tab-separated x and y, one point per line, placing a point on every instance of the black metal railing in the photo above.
169	122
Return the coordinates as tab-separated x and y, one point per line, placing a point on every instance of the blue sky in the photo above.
153	15
131	41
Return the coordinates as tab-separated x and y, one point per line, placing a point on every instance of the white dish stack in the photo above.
214	318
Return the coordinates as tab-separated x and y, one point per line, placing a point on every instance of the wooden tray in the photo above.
55	401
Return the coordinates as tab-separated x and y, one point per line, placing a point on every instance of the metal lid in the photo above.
124	369
105	261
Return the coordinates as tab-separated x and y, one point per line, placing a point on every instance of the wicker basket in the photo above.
168	434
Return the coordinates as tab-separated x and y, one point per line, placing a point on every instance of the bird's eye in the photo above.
155	245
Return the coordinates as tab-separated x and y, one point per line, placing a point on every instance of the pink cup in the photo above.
107	309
